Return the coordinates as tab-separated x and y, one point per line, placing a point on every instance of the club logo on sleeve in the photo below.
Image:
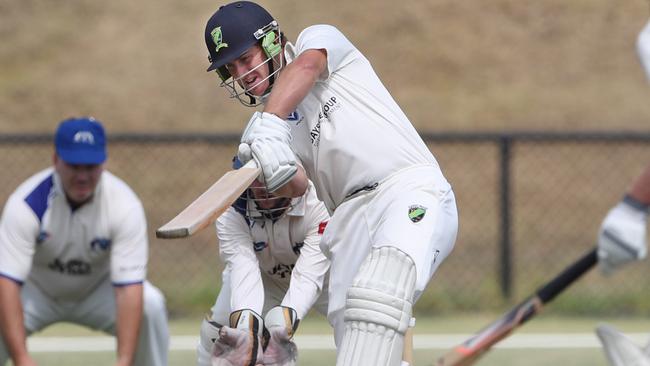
417	212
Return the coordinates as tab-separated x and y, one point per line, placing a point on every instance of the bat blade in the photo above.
472	349
209	205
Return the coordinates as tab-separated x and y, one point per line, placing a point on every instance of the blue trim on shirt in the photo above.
37	199
123	284
19	282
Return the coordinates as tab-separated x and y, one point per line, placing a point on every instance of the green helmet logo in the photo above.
217	38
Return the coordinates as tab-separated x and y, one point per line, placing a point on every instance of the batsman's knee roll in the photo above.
378	309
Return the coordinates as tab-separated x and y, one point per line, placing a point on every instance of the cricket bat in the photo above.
211	204
469	351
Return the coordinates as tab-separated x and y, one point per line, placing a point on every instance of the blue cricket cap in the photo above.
81	141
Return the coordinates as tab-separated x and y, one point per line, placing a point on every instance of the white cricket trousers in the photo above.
387	216
97	312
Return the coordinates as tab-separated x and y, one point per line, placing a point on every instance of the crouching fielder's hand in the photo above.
241	343
281	323
267	139
622	236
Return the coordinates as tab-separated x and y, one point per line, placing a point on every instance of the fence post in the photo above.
505	250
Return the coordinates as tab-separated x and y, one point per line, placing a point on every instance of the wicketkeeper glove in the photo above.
281	324
241	343
267	139
209	335
622	235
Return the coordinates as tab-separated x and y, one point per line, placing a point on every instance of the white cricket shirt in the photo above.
284	254
67	253
348	132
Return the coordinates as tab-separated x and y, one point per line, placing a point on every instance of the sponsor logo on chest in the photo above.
75	267
282	270
326	110
331	106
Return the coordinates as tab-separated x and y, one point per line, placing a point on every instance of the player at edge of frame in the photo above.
622	239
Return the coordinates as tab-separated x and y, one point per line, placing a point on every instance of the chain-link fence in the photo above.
529	205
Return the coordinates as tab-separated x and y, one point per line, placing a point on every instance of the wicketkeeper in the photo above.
274	273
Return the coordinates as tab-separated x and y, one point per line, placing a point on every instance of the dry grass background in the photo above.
452	65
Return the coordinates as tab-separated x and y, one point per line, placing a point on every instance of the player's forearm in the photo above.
296	187
295	81
640	189
11	320
129	304
306	285
247	288
301	297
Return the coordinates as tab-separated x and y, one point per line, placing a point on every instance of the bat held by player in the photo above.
212	203
469	351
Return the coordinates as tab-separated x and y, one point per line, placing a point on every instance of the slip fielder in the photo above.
73	248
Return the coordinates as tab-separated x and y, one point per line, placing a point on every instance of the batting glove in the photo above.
281	324
622	235
267	139
241	343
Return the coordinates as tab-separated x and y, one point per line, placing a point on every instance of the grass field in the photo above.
557	341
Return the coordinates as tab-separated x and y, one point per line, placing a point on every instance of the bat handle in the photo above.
550	290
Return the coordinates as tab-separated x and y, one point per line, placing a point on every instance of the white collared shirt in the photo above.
65	252
348	132
284	253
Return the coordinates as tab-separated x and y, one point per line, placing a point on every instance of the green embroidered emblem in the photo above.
416	212
217	38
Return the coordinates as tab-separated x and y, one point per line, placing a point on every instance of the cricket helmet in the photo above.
256	203
232	30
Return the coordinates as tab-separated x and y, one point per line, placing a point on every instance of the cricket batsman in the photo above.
326	116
